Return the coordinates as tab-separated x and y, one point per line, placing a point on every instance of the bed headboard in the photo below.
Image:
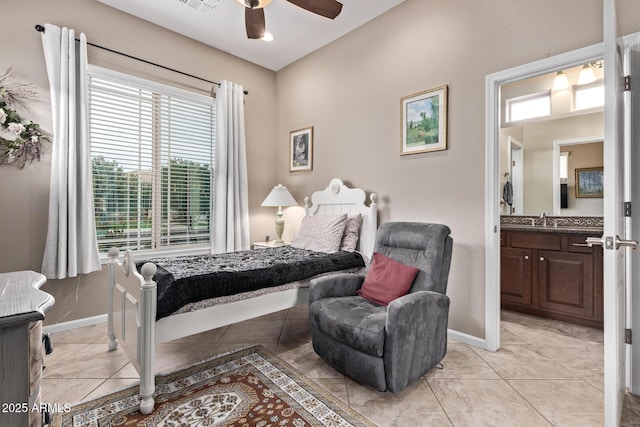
337	199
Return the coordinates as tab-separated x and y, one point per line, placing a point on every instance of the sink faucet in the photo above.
543	215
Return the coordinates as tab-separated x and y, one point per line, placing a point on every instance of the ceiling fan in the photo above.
254	12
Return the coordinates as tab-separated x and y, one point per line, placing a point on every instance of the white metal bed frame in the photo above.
133	294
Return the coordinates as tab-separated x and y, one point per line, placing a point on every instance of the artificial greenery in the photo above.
21	141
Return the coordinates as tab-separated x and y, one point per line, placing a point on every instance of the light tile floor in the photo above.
546	373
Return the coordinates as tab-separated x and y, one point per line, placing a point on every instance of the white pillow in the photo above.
321	233
351	233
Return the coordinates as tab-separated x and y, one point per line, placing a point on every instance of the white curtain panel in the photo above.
71	246
230	198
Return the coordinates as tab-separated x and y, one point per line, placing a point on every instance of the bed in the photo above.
136	324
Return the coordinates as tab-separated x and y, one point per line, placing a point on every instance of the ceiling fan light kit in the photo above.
254	4
254	12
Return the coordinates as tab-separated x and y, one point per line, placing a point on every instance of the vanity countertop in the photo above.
571	229
591	225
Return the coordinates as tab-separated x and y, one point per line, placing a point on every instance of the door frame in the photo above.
492	170
517	178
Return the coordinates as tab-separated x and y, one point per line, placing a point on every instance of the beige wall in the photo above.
24	193
350	92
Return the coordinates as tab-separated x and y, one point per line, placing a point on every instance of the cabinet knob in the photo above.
541	258
526	257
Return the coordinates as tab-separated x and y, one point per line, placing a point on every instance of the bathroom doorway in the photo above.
497	115
536	136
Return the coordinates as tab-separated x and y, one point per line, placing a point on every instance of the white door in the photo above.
633	119
614	220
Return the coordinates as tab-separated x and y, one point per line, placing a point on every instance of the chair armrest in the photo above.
401	307
416	337
335	285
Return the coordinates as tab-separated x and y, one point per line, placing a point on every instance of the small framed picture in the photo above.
590	182
423	121
301	150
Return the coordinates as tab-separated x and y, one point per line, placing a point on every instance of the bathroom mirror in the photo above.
551	125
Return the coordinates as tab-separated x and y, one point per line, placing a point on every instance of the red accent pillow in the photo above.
387	280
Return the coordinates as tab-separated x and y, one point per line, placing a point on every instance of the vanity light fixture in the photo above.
255	4
561	81
586	75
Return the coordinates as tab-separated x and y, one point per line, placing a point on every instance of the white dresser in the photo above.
22	308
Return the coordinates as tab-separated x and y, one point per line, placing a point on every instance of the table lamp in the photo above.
279	197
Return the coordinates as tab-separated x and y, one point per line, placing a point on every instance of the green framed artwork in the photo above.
589	182
423	121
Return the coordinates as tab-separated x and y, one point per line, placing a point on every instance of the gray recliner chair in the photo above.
387	347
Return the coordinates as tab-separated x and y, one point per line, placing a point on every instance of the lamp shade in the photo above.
586	75
256	4
560	81
279	196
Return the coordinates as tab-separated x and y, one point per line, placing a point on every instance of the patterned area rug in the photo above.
250	387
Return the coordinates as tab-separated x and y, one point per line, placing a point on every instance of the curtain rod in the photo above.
40	28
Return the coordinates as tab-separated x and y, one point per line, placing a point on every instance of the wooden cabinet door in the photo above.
565	283
515	275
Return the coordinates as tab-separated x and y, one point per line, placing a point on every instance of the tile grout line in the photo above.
535	408
554	360
446	414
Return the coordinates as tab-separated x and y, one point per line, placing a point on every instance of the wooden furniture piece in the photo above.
552	273
132	297
22	307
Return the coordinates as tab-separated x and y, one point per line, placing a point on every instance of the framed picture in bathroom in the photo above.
589	182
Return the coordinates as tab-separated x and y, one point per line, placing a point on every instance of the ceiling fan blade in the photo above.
327	8
254	21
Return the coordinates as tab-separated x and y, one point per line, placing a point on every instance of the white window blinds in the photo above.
152	148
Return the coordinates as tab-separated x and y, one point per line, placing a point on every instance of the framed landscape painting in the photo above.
589	182
423	121
301	150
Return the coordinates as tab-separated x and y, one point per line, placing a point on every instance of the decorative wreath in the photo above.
21	141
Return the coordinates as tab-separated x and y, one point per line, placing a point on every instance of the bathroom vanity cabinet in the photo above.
551	272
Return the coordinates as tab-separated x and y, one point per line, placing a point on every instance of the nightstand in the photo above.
21	314
269	244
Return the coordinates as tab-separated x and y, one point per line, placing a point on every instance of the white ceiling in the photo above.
220	23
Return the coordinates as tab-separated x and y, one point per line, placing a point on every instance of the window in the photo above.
528	107
152	150
589	96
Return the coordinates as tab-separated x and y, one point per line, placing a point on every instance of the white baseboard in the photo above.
72	324
89	321
466	339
